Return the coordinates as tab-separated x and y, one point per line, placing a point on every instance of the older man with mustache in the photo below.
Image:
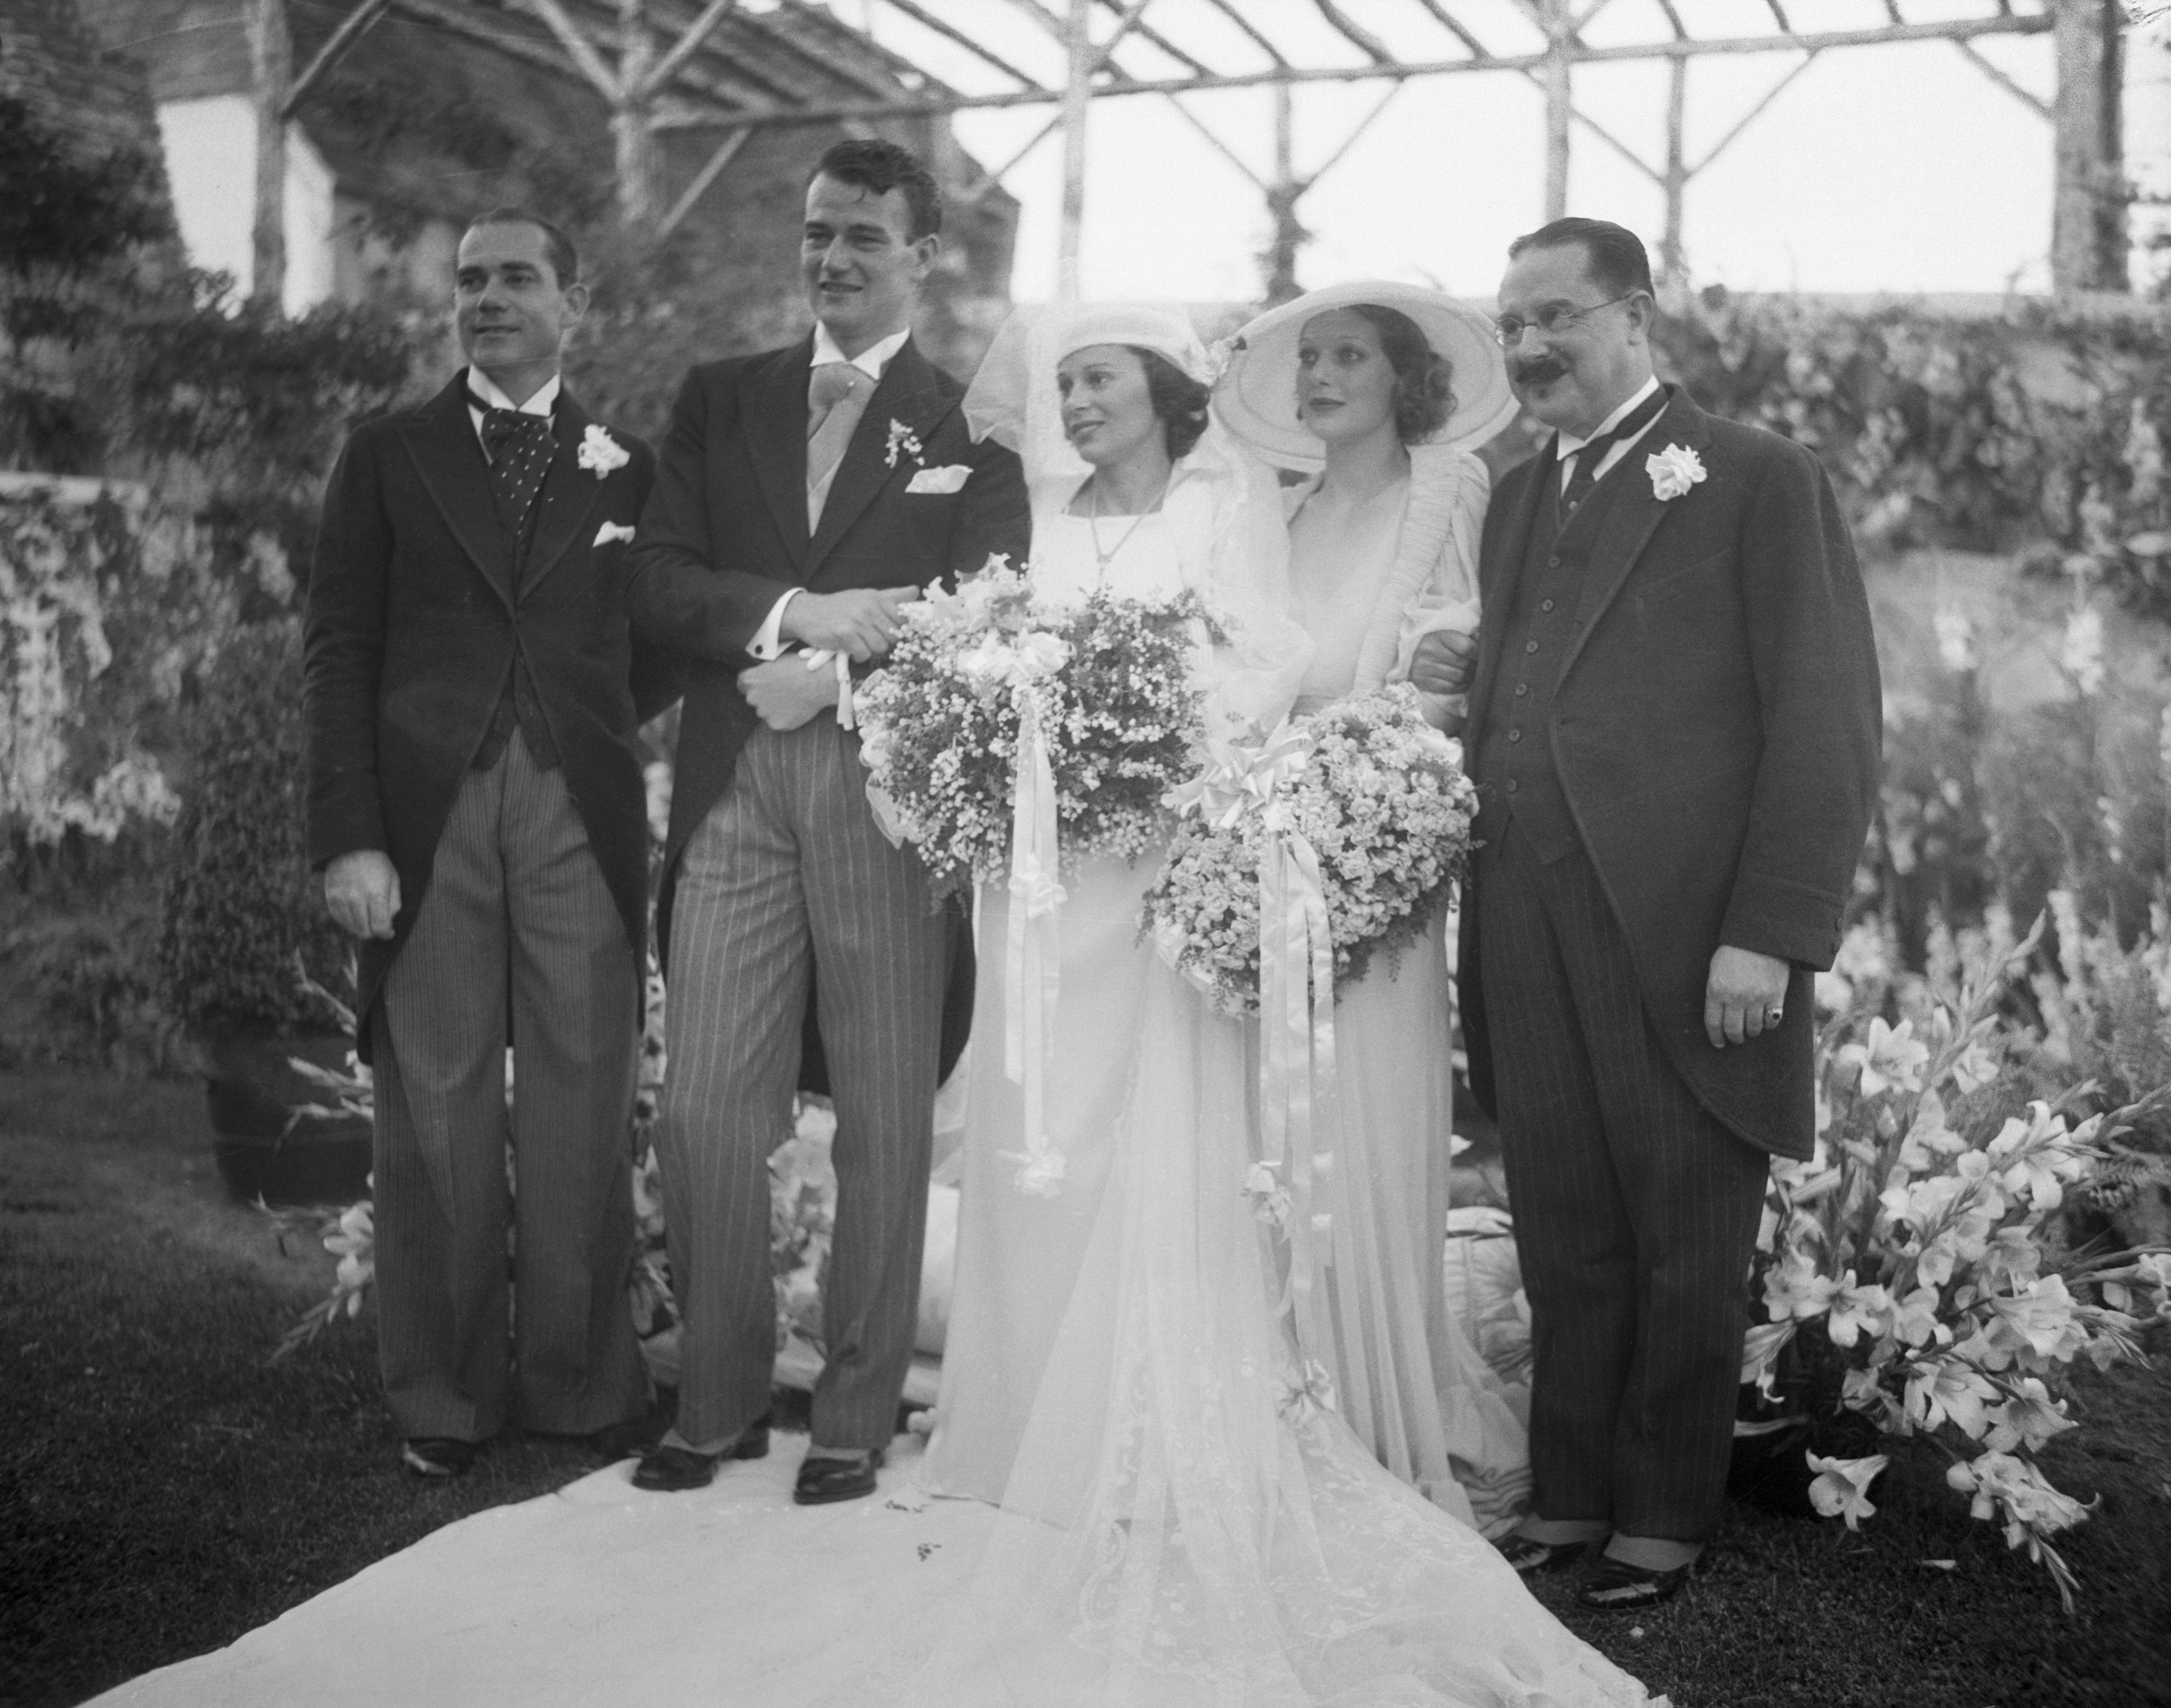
1674	730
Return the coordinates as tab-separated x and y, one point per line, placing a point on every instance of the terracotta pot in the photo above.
251	1093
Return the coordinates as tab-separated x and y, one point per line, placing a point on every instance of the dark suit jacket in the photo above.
1717	730
411	632
724	536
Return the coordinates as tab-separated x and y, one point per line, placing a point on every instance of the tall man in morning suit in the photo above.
804	496
476	804
1674	731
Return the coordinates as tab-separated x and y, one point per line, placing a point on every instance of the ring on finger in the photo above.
1774	1015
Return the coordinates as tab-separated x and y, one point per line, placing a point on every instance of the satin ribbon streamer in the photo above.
1033	953
1299	1103
841	662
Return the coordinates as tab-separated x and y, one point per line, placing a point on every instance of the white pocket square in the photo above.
613	531
950	477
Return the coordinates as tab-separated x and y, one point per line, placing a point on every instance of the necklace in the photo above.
1102	559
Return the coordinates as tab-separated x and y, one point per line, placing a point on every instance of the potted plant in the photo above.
245	935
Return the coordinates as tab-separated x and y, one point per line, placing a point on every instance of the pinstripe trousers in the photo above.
1635	1211
517	937
789	869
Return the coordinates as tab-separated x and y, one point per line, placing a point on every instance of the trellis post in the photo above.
1560	104
1077	102
2088	219
271	70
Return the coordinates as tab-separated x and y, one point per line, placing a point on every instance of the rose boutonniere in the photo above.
1673	471
600	453
900	438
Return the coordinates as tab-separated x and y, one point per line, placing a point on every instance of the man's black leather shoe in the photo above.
1529	1555
437	1456
823	1480
667	1470
1615	1586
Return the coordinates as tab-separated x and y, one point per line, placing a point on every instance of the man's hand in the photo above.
363	891
1744	996
785	694
861	621
1445	662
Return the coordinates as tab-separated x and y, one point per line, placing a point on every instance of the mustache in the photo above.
1537	373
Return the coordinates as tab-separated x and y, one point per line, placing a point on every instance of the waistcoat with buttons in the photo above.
519	705
1515	769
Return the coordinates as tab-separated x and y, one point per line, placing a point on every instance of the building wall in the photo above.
210	162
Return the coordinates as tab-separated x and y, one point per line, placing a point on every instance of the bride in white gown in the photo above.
1186	1520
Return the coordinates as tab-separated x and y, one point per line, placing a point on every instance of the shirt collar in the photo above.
1568	447
870	361
484	387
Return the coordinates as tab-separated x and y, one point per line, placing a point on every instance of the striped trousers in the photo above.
788	870
1636	1212
518	939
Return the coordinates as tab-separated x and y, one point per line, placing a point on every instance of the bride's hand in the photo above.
1445	662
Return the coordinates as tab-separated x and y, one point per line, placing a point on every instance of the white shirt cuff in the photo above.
767	641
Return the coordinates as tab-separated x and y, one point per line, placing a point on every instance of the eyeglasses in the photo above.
1553	319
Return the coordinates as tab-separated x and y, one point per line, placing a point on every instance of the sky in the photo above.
1898	169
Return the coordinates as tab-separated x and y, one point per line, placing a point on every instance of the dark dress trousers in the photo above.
781	899
1675	730
473	695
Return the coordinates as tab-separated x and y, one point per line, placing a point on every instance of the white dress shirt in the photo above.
481	385
1569	446
768	642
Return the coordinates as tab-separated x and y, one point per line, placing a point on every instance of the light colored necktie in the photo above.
837	394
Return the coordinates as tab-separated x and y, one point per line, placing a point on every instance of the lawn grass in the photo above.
165	1488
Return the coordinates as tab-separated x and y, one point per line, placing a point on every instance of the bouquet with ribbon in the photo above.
1102	695
1351	821
1004	733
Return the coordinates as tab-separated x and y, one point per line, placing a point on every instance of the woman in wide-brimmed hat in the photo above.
1381	392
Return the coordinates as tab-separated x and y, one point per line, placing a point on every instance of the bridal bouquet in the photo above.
1377	799
1102	692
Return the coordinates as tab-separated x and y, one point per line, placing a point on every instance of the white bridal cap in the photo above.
1164	331
1256	396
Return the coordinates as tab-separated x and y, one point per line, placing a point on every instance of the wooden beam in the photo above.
1077	108
1673	264
2087	222
632	133
270	69
1259	38
578	47
1996	74
949	32
1351	31
691	41
1127	18
988	181
1227	152
2017	24
1147	33
727	152
1750	117
1350	140
1454	26
350	31
1560	107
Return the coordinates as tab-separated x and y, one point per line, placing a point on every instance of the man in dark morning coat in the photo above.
477	807
804	495
1674	730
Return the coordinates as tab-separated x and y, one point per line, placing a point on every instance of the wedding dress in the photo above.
1019	1254
1188	1522
1410	1383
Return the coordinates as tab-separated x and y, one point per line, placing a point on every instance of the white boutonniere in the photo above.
1673	471
948	477
600	453
900	438
613	531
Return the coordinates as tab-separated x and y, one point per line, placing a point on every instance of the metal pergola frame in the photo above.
713	64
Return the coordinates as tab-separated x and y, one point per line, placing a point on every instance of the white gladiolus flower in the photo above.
1841	1488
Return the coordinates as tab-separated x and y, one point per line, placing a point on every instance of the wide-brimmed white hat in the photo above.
1256	396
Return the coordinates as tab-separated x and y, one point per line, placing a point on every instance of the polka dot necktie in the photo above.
519	446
